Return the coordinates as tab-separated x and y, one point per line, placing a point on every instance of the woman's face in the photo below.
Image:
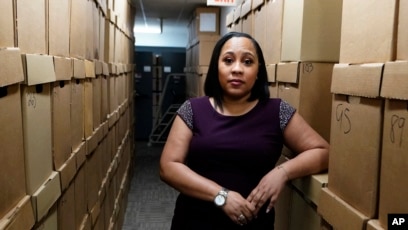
238	68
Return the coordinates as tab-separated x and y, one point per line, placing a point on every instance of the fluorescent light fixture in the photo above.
150	26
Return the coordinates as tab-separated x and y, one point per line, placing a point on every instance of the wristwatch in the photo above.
221	198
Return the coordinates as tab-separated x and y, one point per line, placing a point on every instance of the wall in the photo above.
175	37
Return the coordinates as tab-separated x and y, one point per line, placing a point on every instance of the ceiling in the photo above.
175	14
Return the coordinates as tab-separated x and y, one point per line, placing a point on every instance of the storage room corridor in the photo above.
150	201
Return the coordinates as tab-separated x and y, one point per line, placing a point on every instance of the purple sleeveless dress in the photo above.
234	151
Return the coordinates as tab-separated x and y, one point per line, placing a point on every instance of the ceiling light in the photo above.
151	25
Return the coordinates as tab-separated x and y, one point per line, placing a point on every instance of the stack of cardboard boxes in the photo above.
204	32
368	146
300	42
66	99
343	65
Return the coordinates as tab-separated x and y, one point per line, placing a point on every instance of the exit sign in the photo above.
222	2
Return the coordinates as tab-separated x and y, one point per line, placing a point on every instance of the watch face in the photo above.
219	200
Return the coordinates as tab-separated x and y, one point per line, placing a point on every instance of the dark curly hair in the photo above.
212	87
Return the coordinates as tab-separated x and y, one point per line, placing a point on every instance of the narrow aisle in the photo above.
150	201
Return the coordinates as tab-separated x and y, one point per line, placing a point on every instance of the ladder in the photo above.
161	130
163	122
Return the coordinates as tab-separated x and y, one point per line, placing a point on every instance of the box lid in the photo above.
63	68
21	217
45	197
39	69
98	68
105	69
395	80
257	3
246	8
11	66
230	18
271	70
311	186
237	13
89	69
288	72
339	213
357	80
79	69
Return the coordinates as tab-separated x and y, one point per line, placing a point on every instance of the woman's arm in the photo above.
173	170
312	157
312	150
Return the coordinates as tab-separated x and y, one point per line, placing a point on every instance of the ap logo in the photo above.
398	221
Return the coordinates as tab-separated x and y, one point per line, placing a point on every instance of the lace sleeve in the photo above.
285	114
186	113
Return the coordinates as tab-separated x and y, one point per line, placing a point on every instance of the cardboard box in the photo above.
97	101
77	111
96	33
273	32
7	32
59	13
283	204
237	18
101	37
394	83
67	171
31	26
91	29
93	177
88	99
79	68
311	186
80	155
66	209
104	92
20	217
11	137
306	86
247	17
49	222
12	153
80	197
11	66
303	214
374	224
207	20
311	30
272	83
112	100
109	46
257	3
61	122
36	107
356	132
402	37
394	142
230	18
338	213
63	68
359	20
78	29
39	69
202	49
46	196
259	30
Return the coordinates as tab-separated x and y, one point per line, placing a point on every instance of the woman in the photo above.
222	148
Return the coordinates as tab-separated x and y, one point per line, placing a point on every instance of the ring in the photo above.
242	219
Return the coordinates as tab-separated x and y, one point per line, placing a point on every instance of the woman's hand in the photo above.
236	206
268	189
